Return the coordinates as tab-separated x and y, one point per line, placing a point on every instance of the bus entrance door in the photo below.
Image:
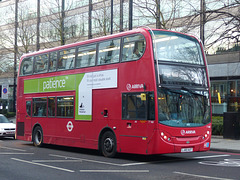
27	118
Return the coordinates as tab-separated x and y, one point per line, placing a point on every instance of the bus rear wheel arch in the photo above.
108	144
37	136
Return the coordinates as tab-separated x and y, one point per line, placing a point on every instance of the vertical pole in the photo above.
158	12
111	16
62	23
38	26
90	20
130	14
202	19
15	56
121	15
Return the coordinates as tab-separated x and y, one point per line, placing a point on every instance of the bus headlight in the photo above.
165	136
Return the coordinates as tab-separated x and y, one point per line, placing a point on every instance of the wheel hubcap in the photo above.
108	144
38	137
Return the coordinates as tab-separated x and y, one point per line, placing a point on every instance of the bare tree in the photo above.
26	33
162	11
222	23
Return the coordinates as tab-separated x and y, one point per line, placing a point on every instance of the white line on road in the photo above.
87	160
200	176
38	164
54	161
12	149
6	153
115	171
100	162
205	157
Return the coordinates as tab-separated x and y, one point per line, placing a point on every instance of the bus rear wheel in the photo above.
37	136
108	144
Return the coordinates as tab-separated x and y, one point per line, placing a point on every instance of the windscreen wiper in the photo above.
191	92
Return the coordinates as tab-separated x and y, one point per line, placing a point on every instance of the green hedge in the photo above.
10	114
217	125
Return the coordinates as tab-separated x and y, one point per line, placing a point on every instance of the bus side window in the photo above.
39	107
52	61
41	63
86	56
109	52
26	66
51	107
66	59
133	47
65	106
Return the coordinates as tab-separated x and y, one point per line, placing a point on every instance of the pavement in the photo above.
218	143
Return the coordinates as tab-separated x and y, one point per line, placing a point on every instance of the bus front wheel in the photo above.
108	144
37	136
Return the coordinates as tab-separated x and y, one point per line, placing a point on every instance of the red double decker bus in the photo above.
142	91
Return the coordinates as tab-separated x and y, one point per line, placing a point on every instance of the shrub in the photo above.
217	125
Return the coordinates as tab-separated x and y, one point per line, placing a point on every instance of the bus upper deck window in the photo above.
26	66
86	56
41	63
109	52
52	61
66	59
133	47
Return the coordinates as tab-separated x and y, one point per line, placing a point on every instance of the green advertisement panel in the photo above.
50	84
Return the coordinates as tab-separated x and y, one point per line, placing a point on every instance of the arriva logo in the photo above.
183	132
134	86
53	84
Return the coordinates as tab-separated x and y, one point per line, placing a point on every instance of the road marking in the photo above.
53	161
225	163
205	157
87	160
200	176
38	164
99	162
6	153
12	149
115	171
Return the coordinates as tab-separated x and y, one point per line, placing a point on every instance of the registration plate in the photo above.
183	150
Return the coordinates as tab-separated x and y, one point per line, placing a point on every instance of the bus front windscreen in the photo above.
178	48
183	107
